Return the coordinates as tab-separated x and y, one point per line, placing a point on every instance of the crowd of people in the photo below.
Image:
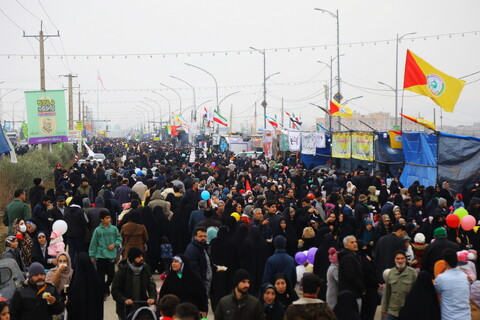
229	237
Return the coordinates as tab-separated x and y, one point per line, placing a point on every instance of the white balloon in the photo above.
60	225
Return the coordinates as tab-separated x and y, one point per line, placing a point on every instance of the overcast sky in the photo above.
90	28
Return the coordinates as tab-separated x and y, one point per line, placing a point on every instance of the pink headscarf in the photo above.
332	255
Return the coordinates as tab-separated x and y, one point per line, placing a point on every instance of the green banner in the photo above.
284	142
46	115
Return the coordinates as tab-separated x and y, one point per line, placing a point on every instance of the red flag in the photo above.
247	185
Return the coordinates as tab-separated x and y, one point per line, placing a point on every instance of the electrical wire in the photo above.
16	25
28	10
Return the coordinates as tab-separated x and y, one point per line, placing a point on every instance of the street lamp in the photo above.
178	94
168	101
143	111
228	95
153	112
188	84
159	108
264	102
216	84
396	76
355	98
336	16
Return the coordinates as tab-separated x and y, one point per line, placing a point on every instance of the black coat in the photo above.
75	219
385	254
195	253
350	273
27	304
188	288
434	251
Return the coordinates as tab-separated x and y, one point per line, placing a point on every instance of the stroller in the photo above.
142	313
11	278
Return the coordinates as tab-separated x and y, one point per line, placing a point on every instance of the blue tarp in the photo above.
458	160
4	148
387	158
420	152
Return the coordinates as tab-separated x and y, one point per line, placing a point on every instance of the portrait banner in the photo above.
362	146
294	138
46	115
341	145
284	142
308	143
267	144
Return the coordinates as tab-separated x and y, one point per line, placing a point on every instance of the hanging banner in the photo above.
294	138
320	141
341	145
308	143
46	115
362	146
74	136
284	142
79	126
267	144
4	145
223	144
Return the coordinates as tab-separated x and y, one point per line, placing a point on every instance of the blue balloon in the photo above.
139	173
205	195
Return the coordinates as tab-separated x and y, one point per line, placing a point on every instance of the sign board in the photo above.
79	126
74	136
46	115
338	97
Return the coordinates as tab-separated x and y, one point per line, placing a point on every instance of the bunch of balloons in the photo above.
307	255
460	217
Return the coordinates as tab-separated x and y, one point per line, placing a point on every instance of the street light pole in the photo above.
216	85
153	112
194	98
264	102
159	108
178	94
396	76
169	107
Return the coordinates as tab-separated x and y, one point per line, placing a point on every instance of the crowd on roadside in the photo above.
231	236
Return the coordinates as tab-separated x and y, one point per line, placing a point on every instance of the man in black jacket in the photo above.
77	221
386	248
37	192
350	271
132	282
36	299
199	258
434	250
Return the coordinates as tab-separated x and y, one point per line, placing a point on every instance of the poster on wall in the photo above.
267	144
46	115
362	146
341	145
308	143
294	138
320	141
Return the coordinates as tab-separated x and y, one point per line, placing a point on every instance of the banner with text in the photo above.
362	146
294	140
46	115
308	143
341	145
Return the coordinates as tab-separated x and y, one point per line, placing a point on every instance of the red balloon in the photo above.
311	196
453	221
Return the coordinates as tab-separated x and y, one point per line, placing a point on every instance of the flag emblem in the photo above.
436	85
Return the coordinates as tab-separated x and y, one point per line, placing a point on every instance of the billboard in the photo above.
46	115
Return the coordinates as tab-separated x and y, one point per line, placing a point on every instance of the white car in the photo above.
248	154
98	157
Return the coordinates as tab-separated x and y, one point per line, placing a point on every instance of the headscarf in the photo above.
25	243
211	234
346	307
65	276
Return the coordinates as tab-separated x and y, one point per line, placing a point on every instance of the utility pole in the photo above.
70	100
283	111
327	100
41	39
255	120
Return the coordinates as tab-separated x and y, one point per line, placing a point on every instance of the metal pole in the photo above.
169	107
264	103
194	97
396	84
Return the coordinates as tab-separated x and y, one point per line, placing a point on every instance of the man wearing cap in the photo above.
239	305
474	208
17	209
132	282
280	262
58	211
434	250
386	248
441	210
36	299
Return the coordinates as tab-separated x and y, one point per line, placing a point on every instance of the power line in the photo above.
28	10
11	20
